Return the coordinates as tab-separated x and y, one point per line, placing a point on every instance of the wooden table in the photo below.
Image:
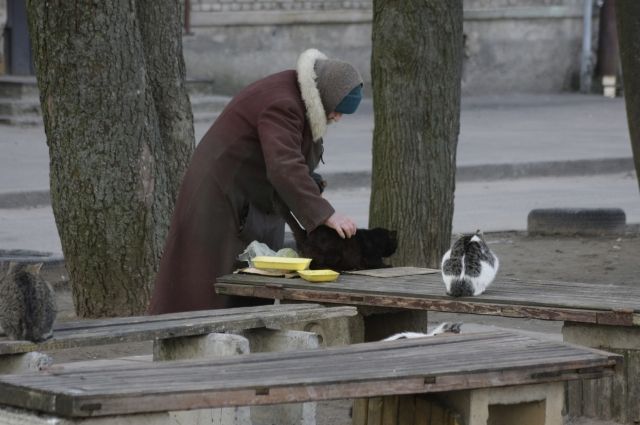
597	315
452	366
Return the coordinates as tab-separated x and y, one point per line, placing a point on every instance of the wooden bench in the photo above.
483	376
165	329
594	315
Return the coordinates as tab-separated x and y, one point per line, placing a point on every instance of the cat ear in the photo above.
33	268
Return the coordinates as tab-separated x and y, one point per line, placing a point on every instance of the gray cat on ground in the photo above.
469	267
27	303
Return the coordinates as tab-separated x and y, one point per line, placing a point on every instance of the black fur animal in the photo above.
364	250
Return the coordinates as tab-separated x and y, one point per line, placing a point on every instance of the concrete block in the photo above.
27	362
600	336
334	332
205	347
539	404
200	347
269	340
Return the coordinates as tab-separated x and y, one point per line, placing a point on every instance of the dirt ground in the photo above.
605	259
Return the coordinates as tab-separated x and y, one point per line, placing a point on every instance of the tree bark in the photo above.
416	72
628	19
120	132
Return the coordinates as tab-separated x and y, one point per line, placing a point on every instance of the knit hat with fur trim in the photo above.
335	80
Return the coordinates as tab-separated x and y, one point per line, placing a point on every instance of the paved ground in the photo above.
567	150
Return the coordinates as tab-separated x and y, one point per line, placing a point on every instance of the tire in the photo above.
576	221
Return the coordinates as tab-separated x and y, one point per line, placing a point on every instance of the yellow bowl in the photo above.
325	275
280	263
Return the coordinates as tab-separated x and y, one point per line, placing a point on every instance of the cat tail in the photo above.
405	335
461	287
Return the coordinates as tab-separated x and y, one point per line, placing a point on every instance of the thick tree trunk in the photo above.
107	80
628	18
416	70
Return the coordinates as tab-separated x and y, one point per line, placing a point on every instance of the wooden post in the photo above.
614	398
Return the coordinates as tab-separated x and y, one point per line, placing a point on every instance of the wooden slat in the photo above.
145	328
361	370
562	301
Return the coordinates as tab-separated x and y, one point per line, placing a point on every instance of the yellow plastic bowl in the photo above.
325	275
281	263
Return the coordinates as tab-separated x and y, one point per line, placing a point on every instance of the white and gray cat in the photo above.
445	327
469	267
27	303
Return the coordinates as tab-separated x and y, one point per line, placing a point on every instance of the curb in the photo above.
29	256
492	172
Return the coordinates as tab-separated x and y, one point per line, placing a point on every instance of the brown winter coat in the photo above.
260	147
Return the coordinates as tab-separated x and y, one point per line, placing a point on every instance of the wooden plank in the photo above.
633	397
406	410
359	411
390	410
135	329
573	398
541	303
423	412
574	295
376	369
374	414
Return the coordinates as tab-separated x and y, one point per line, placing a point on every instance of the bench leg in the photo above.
538	404
10	416
205	347
615	398
221	345
416	409
268	340
27	362
338	331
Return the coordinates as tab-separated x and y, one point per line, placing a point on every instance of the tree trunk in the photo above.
416	69
628	18
120	132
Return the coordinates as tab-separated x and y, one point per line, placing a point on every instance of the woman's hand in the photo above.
343	225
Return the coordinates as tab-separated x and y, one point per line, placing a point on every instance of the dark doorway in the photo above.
17	46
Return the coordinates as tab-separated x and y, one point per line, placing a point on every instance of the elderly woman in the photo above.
261	150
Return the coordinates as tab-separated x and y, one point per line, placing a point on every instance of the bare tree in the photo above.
120	132
628	19
416	70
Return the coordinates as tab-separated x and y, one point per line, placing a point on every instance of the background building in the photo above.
524	46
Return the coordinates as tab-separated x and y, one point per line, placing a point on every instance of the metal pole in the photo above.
608	55
585	65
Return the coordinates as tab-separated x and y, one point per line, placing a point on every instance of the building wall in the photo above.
510	45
